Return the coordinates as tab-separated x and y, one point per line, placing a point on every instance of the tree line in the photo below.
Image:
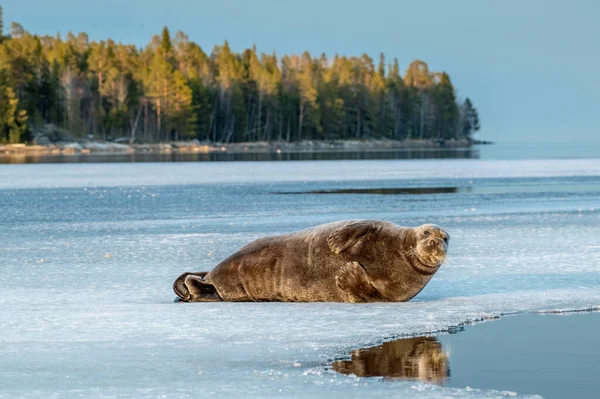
173	90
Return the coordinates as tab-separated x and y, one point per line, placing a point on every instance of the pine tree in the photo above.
471	118
201	106
447	110
13	121
165	41
158	87
182	119
308	108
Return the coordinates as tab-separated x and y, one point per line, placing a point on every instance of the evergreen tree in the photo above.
447	110
165	41
13	121
308	108
470	118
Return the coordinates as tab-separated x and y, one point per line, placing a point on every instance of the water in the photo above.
89	253
555	356
426	153
504	151
540	150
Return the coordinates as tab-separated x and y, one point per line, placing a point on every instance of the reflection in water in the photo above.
419	358
387	191
431	153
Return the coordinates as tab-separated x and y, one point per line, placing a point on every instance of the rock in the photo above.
71	148
41	140
74	146
95	146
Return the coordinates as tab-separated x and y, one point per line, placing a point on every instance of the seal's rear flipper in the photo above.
179	286
201	291
189	287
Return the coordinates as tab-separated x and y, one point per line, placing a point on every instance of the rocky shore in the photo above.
194	146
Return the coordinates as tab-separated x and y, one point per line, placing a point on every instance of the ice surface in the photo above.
89	253
145	174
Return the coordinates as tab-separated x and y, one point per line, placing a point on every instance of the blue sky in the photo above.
531	67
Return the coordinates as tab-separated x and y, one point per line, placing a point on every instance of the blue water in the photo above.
89	253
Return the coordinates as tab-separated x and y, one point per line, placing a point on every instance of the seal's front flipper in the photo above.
190	288
350	234
353	279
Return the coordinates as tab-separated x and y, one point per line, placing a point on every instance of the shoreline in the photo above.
194	146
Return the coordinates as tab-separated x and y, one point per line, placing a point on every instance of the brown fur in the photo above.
347	261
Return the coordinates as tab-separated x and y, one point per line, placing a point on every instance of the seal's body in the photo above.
348	261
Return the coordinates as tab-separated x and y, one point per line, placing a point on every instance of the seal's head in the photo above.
431	245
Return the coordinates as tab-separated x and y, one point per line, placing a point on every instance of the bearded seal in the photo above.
346	261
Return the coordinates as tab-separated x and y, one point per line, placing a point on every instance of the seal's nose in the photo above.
437	244
433	242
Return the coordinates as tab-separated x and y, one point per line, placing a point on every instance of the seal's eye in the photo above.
426	232
446	238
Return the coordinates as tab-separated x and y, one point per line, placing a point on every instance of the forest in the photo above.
173	90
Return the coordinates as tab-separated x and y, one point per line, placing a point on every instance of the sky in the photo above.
532	68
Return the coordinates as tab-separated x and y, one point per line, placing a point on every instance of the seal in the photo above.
347	261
